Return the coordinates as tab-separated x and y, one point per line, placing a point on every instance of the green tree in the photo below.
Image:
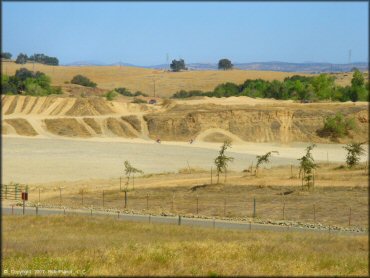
357	79
7	87
307	166
130	170
6	55
178	65
263	159
225	64
222	160
354	152
21	59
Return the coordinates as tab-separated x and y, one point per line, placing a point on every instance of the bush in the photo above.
337	126
6	55
83	81
111	95
28	82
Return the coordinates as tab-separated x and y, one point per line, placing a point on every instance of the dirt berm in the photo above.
252	120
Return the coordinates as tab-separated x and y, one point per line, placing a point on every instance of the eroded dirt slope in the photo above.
239	121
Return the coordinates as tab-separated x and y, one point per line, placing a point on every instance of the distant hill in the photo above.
309	67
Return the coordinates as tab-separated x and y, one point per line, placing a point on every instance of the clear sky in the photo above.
143	33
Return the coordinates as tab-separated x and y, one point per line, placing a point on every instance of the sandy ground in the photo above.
40	160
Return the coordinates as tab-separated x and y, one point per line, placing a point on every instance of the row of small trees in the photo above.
307	163
37	58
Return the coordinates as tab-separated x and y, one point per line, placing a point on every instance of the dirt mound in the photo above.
119	128
66	127
90	107
133	121
93	124
21	126
217	137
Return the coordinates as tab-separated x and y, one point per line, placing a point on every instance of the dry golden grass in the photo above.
141	79
337	190
103	246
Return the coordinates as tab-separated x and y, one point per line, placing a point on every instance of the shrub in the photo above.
111	95
83	81
354	151
337	126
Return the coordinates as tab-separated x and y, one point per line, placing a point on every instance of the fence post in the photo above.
349	218
12	209
214	222
254	207
24	206
173	197
103	198
125	198
37	210
211	176
150	218
197	204
250	225
60	197
147	201
6	191
118	214
291	170
179	221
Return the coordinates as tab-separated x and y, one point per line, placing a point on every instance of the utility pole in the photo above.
154	86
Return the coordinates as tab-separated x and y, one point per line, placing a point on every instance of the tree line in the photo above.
304	88
37	58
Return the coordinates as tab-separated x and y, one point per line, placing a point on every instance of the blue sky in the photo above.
143	33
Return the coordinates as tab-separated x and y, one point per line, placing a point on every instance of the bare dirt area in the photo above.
47	160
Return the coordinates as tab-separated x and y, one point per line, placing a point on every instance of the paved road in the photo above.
176	220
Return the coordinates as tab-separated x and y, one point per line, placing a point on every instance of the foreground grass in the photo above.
103	246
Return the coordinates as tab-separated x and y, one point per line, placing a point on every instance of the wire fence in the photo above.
343	207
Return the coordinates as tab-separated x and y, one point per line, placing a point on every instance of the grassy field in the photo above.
102	246
166	83
141	79
337	190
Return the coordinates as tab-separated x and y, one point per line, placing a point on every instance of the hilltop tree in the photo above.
21	59
264	159
354	151
129	169
225	64
178	65
6	55
222	160
307	165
